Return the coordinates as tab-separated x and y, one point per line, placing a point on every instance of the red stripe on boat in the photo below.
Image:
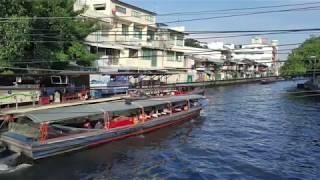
141	132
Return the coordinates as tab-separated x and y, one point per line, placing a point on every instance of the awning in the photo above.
104	45
208	58
131	47
66	113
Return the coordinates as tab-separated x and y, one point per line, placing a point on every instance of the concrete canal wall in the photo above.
216	83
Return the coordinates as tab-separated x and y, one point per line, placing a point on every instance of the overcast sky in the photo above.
285	20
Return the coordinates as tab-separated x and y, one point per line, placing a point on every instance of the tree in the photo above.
194	43
13	31
33	37
56	36
299	60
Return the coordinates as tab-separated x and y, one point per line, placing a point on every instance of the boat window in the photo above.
179	106
157	111
24	126
123	118
124	113
194	103
24	120
84	122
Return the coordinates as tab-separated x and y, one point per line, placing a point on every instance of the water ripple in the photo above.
242	134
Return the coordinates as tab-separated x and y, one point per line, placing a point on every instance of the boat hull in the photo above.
85	140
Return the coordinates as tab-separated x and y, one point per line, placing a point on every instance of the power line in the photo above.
187	32
252	34
237	9
243	14
58	39
204	52
165	14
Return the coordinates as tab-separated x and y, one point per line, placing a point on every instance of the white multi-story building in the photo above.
130	39
260	50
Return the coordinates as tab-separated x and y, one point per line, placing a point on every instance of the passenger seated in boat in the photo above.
177	109
99	125
148	115
167	111
186	108
136	119
161	112
194	104
155	115
87	124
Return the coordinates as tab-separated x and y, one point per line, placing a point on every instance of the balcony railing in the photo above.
107	61
129	40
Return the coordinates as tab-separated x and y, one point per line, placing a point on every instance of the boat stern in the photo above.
17	143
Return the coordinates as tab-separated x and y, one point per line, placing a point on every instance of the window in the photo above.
150	35
179	56
93	49
172	39
101	51
136	14
125	29
121	10
180	40
99	7
149	18
133	53
170	56
59	80
137	32
148	54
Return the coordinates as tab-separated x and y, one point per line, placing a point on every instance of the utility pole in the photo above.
313	60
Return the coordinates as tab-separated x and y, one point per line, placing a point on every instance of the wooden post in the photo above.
33	99
106	120
143	114
16	99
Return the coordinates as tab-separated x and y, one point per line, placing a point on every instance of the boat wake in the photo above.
5	169
141	136
9	162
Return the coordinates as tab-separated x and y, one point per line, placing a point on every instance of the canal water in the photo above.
248	131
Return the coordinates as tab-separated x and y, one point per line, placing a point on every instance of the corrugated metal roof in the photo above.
65	113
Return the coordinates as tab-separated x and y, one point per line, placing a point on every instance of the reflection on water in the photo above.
247	132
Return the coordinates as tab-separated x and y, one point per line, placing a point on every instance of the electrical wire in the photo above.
243	14
193	13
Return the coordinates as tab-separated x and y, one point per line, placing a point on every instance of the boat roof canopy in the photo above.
66	113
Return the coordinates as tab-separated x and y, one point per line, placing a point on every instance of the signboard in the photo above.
99	80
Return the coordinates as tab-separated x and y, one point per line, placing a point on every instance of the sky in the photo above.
285	20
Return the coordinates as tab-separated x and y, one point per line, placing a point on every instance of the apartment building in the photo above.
129	38
261	51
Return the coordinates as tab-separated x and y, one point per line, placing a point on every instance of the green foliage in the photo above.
194	43
13	33
40	39
299	60
79	53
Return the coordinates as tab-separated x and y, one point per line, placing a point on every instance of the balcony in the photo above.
100	16
107	61
133	41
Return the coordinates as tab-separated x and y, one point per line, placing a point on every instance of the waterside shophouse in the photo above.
129	39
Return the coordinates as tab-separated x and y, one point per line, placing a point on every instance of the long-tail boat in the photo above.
44	133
